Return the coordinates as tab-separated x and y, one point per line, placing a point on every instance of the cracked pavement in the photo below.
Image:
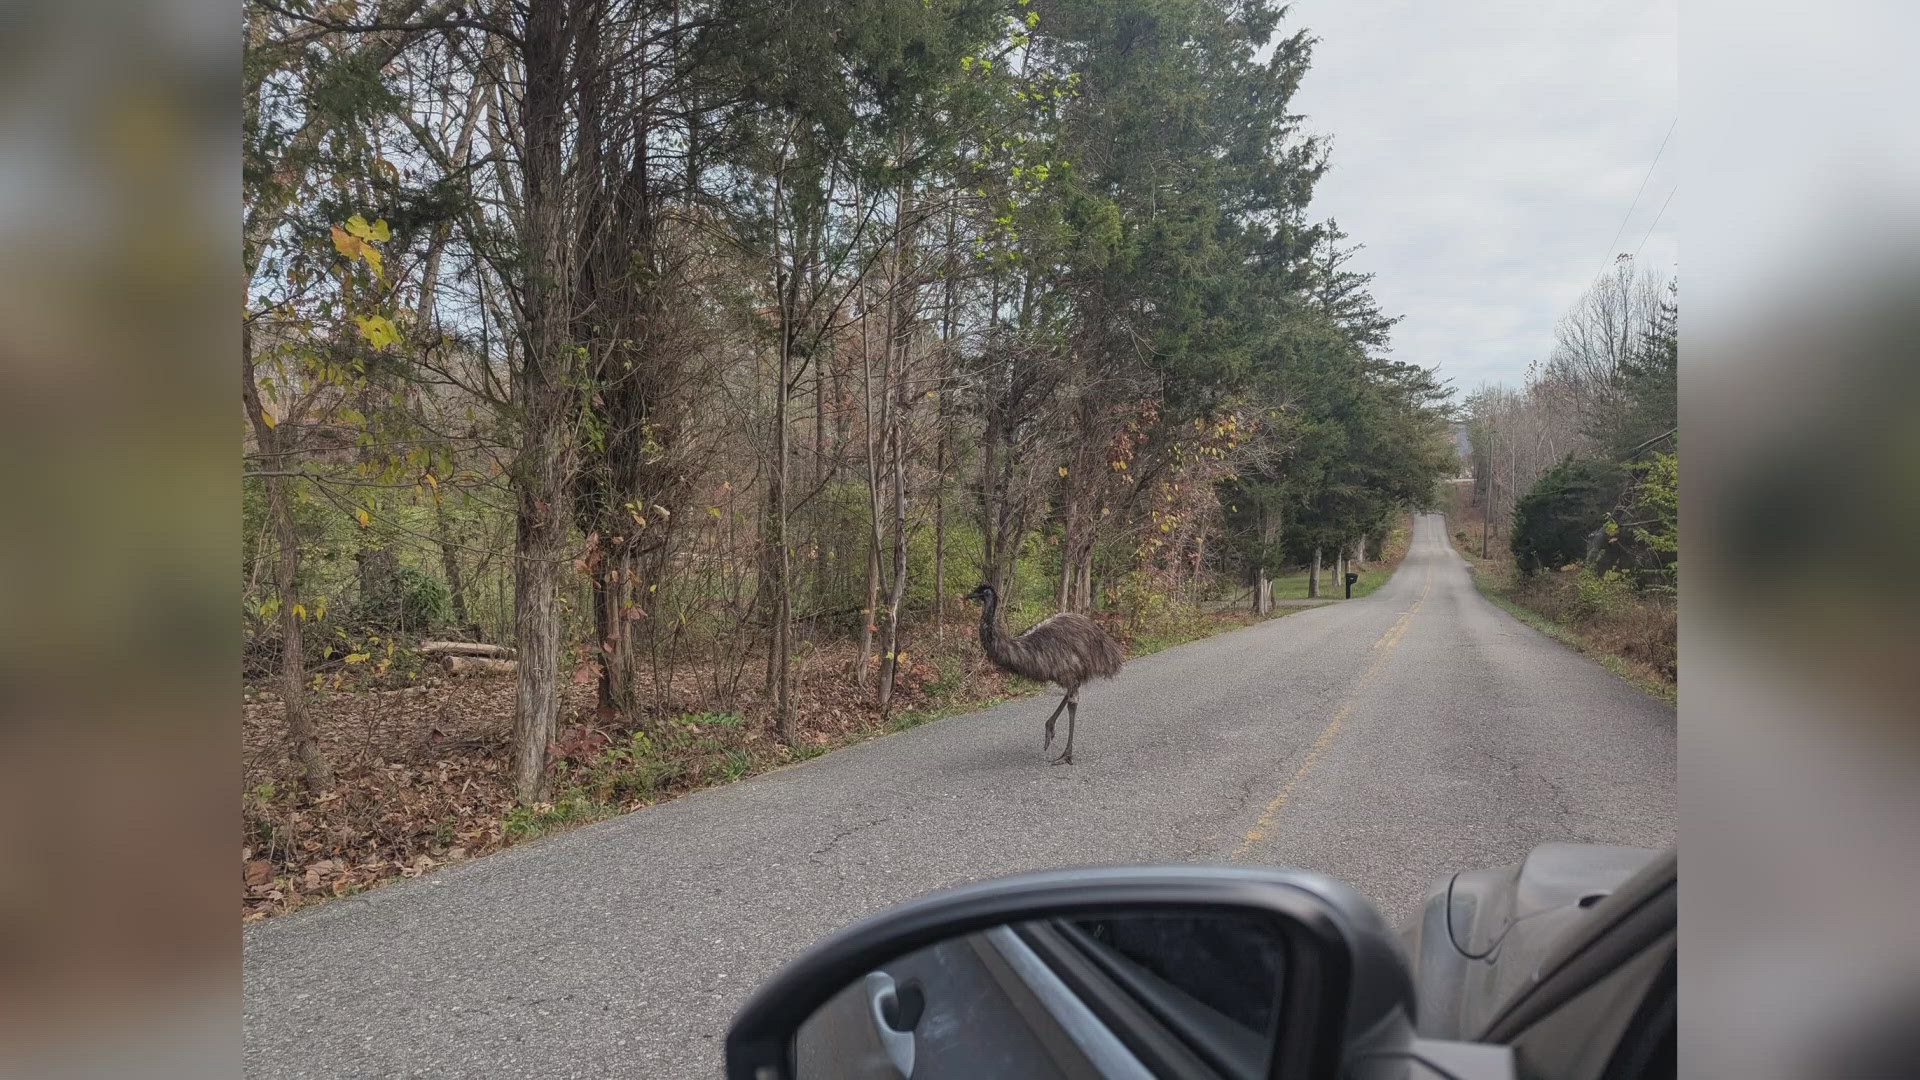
1461	738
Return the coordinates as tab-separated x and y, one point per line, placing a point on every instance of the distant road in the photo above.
1386	740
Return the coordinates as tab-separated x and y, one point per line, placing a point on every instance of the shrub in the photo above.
1599	596
1553	520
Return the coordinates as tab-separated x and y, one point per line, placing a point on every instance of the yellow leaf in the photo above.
714	510
378	330
346	243
900	659
1063	471
365	522
268	419
357	226
300	611
359	657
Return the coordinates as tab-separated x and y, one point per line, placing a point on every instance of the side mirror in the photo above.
1179	971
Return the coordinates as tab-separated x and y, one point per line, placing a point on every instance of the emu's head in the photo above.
984	594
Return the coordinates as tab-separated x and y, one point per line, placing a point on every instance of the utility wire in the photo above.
1656	221
1617	233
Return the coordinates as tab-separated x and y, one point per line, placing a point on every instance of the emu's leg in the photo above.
1056	715
1072	703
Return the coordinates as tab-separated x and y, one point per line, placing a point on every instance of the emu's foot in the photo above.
1063	759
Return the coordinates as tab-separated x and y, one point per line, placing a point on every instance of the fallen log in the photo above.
466	648
478	665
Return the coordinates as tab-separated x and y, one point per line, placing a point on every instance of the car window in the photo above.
1230	965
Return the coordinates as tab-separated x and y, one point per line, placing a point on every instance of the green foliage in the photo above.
1644	531
1600	595
1658	492
1553	521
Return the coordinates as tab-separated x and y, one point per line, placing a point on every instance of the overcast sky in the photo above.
1486	152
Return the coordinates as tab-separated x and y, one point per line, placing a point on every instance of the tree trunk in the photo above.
890	661
461	666
613	600
781	564
1083	576
316	770
1063	598
1313	576
450	566
466	648
540	550
940	453
545	386
821	477
869	613
940	532
787	286
293	690
893	373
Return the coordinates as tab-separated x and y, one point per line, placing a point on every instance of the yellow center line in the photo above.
1383	648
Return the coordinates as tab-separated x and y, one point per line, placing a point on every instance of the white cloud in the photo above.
1486	154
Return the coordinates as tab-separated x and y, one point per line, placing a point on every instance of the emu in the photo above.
1065	649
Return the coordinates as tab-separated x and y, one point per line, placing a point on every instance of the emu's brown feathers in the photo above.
1066	649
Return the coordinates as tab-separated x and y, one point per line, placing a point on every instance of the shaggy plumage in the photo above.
1064	649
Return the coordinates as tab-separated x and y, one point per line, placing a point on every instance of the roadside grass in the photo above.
1630	635
1372	575
1375	573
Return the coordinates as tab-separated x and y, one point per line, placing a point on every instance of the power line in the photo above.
1656	221
1612	246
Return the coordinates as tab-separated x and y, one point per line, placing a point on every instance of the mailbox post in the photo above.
1351	578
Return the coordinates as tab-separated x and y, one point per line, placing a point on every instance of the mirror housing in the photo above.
1348	1006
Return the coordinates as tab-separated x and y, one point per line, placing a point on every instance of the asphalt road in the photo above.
1386	741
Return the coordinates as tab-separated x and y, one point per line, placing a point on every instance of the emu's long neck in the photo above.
991	640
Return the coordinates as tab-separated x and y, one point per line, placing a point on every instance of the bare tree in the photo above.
546	380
